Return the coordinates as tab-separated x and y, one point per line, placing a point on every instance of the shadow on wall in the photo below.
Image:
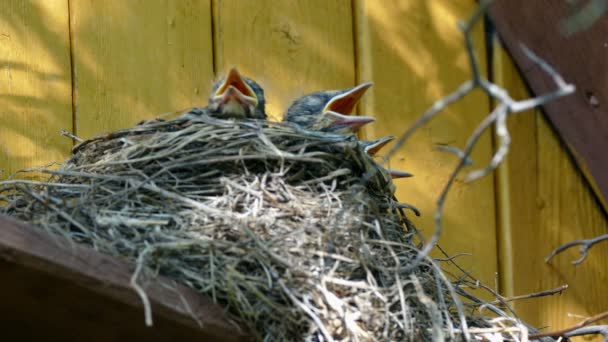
35	83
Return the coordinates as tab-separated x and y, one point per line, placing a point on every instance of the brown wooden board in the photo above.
582	59
55	291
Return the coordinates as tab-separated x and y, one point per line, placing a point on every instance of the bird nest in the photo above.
297	233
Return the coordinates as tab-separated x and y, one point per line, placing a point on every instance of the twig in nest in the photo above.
70	135
585	245
544	293
573	328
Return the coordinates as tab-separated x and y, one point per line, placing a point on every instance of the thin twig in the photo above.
585	245
590	330
563	332
544	293
70	135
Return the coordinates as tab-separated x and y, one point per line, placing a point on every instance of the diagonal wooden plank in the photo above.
413	51
136	59
291	47
77	293
35	83
581	59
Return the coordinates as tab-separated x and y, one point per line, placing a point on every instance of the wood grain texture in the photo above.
35	83
546	202
581	118
291	47
69	292
518	195
414	53
137	59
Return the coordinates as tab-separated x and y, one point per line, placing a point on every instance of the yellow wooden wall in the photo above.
90	66
543	202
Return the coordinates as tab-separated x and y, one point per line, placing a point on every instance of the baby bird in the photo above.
237	97
338	123
329	110
234	96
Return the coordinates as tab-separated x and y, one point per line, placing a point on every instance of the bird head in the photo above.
237	97
329	110
344	101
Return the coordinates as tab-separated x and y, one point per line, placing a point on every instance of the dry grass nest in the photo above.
297	233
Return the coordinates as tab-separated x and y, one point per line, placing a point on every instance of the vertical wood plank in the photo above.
291	47
568	211
518	192
35	83
547	202
136	59
414	53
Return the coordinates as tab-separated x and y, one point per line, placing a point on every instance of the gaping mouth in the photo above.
377	145
346	102
235	88
352	122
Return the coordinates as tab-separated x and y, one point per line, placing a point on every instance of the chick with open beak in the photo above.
329	110
339	123
237	97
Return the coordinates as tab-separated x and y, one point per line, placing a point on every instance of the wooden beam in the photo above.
73	293
580	118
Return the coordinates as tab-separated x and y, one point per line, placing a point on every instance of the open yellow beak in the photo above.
235	88
345	103
353	122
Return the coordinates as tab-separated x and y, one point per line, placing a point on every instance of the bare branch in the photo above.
505	140
456	151
435	109
590	330
426	249
505	106
544	293
450	258
573	328
563	87
585	245
466	28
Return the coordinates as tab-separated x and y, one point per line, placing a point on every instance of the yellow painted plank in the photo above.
291	47
414	53
35	83
517	192
568	211
547	202
136	59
